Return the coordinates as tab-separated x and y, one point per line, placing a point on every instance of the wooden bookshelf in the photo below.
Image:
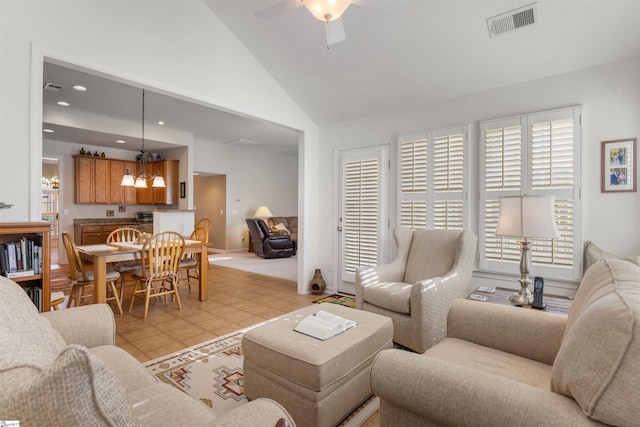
38	232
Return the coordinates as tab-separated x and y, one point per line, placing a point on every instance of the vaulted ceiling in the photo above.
398	54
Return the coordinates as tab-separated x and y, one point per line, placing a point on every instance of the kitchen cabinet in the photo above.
102	181
97	181
160	196
120	195
96	234
85	188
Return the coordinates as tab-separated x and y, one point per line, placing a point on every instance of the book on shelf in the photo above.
20	273
323	325
25	255
13	265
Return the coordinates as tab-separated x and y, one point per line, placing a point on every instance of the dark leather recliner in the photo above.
268	245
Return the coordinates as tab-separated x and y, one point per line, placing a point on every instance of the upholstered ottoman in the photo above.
318	382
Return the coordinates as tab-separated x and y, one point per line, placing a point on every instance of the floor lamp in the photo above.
264	214
526	217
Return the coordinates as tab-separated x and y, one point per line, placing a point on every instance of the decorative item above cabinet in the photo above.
98	179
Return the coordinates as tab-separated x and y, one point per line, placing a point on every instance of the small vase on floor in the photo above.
317	284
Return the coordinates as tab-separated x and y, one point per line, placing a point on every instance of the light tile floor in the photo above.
236	299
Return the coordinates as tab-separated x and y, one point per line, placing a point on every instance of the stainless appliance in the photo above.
144	216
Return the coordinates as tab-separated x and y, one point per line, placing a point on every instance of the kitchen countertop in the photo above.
92	221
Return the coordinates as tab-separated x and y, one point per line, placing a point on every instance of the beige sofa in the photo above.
62	368
290	223
508	366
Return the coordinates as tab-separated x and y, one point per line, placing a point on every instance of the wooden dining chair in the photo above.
81	278
206	224
125	268
192	262
158	273
57	298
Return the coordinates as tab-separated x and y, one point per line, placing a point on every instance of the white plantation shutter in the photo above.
361	214
413	214
536	154
432	179
413	157
503	157
448	179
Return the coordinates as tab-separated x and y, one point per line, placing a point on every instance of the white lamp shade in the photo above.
158	181
127	180
327	10
263	212
527	216
141	182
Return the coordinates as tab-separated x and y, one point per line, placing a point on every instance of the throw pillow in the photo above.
281	227
593	254
597	364
77	388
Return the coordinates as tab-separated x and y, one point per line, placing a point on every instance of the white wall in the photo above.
176	46
254	178
610	96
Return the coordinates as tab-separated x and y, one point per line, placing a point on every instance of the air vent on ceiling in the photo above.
513	20
52	86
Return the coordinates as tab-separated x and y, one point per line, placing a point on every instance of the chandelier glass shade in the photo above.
327	10
140	181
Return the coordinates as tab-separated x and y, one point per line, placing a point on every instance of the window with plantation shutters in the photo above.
432	179
535	154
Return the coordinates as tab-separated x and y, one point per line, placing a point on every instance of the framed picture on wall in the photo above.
183	190
619	170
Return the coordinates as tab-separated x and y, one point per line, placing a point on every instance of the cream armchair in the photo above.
431	269
508	366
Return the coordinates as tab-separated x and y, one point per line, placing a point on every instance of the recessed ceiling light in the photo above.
80	88
160	122
48	130
63	103
120	141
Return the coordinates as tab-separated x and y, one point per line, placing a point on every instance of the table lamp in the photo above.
526	217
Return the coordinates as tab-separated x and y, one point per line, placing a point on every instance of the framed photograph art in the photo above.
183	190
619	165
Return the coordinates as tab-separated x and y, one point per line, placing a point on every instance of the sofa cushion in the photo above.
162	404
593	254
75	389
394	296
421	264
598	363
492	361
290	223
131	374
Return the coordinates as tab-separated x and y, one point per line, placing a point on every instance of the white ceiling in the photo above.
398	54
108	103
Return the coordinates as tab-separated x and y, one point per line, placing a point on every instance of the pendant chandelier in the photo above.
140	181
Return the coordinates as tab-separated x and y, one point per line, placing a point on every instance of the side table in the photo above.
555	304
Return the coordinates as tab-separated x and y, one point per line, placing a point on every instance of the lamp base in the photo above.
522	297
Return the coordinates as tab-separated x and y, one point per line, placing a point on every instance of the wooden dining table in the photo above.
101	255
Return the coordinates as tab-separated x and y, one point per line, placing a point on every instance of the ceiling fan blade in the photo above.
385	5
335	31
278	9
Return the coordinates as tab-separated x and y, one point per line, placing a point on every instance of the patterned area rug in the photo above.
346	300
212	373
